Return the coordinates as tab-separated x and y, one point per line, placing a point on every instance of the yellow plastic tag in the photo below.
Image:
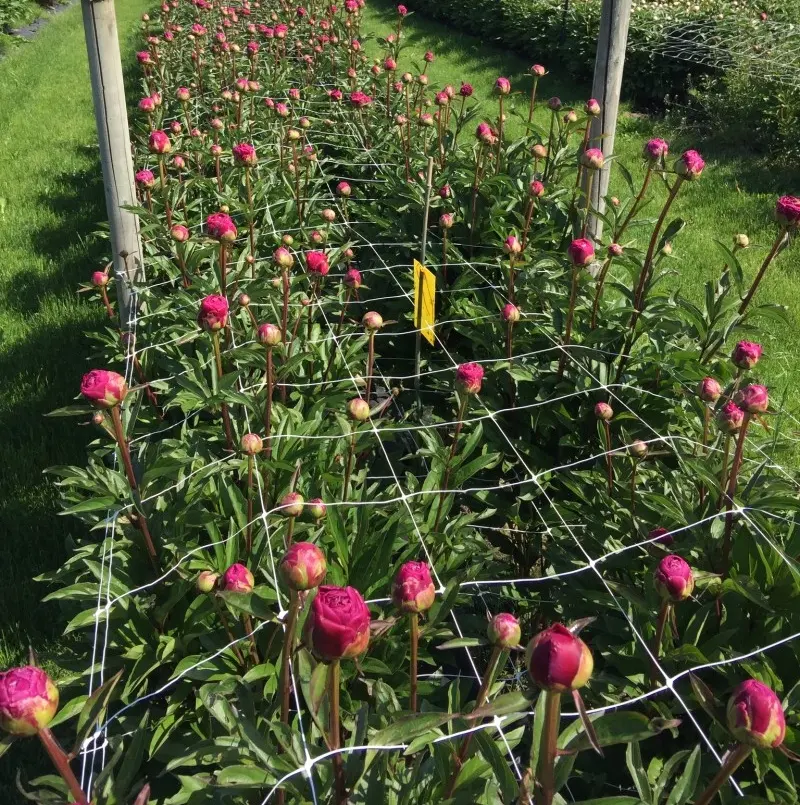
424	301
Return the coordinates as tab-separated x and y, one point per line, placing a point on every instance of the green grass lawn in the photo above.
737	192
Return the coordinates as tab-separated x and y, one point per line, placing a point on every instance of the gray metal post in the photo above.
111	116
608	67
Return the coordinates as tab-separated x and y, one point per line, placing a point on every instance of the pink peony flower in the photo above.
673	578
512	245
655	149
143	57
755	715
558	660
244	154
303	566
352	278
291	504
220	226
317	263
99	279
238	579
360	99
469	377
28	700
502	85
466	90
510	313
787	211
709	390
337	627
402	10
145	178
504	631
270	335
103	389
413	589
158	142
213	314
485	134
753	399
581	252
690	165
252	444
147	105
592	158
745	354
730	418
604	411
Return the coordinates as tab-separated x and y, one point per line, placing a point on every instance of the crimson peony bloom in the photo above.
581	252
213	313
245	154
504	631
28	700
755	715
469	377
466	90
413	589
673	578
104	389
220	226
145	178
709	390
745	354
655	149
303	566
158	142
558	660
730	418
787	211
690	165
604	411
360	99
753	399
238	579
252	444
337	627
317	263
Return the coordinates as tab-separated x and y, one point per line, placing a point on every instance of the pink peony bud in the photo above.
238	579
558	660
317	263
581	252
753	399
466	90
145	178
402	10
99	279
291	504
358	409
441	99
592	107
372	320
328	215
469	377
303	566
661	535
730	418
220	226
655	149
252	444
536	189
360	99
510	313
245	154
690	165
213	314
745	354
178	162
504	631
103	389
604	411
344	189
615	250
147	105
317	508
283	257
207	581
787	211
28	700
539	151
485	134
270	335
638	449
159	143
512	245
179	233
183	94
502	85
337	626
592	158
538	70
389	64
446	220
554	103
571	117
429	57
673	578
413	589
352	278
755	715
709	390
445	191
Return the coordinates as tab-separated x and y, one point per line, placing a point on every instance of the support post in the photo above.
111	116
423	256
608	67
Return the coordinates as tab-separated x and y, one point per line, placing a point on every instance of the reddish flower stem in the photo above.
60	761
609	467
268	404
223	270
226	419
286	657
635	206
562	361
412	697
109	309
547	751
735	467
761	271
735	758
599	290
227	627
533	100
348	469
499	137
334	737
446	480
370	364
249	532
663	617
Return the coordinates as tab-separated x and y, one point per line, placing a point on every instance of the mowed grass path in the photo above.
51	200
737	193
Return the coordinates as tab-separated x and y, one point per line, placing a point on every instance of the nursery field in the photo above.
553	561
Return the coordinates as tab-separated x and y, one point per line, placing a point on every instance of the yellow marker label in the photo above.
424	301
